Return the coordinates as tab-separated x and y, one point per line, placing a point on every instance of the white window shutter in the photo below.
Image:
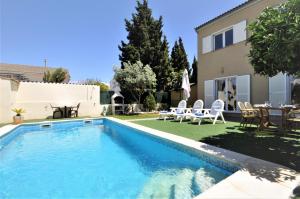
209	92
207	44
240	32
278	89
243	88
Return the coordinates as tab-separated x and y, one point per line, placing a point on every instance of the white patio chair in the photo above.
173	111
213	114
197	108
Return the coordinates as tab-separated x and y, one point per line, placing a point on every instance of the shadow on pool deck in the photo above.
275	147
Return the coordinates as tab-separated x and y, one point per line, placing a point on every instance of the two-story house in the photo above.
224	71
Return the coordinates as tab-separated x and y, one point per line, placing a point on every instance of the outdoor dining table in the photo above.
265	116
65	109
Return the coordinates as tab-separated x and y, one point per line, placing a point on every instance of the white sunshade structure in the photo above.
186	85
117	99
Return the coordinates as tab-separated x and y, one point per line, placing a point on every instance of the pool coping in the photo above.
9	127
256	178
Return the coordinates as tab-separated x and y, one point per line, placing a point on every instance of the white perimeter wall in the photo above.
36	98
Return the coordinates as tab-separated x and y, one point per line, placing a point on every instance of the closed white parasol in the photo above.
186	85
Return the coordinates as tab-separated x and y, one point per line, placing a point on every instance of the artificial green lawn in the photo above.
278	147
139	116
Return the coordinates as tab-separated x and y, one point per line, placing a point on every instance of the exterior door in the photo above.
231	94
226	91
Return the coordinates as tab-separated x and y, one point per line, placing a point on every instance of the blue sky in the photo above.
83	35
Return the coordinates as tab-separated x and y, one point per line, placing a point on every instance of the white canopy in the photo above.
186	85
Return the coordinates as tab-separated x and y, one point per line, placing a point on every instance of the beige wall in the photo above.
232	60
176	96
8	90
36	98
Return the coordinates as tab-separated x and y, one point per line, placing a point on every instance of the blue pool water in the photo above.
99	160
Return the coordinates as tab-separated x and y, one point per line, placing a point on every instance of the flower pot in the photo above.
18	119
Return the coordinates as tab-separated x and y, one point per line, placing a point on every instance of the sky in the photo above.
83	35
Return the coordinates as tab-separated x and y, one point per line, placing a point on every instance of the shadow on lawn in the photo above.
283	149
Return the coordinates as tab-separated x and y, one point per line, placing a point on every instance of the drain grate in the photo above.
88	121
46	125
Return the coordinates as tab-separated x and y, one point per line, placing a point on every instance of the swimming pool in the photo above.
101	159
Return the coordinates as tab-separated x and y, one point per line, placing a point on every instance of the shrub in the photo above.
163	106
149	102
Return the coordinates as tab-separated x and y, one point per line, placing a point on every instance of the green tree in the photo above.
163	70
179	62
149	102
103	86
144	37
145	43
195	71
275	40
183	57
135	79
59	75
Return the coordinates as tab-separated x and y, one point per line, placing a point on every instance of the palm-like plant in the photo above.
18	111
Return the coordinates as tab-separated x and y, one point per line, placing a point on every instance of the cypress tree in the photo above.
164	70
144	37
183	56
194	73
179	62
175	57
147	44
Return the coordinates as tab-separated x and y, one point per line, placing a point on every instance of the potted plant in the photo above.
18	118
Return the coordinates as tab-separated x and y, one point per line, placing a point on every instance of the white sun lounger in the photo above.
172	113
197	108
213	114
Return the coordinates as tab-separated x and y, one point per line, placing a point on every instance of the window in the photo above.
229	37
223	39
218	41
